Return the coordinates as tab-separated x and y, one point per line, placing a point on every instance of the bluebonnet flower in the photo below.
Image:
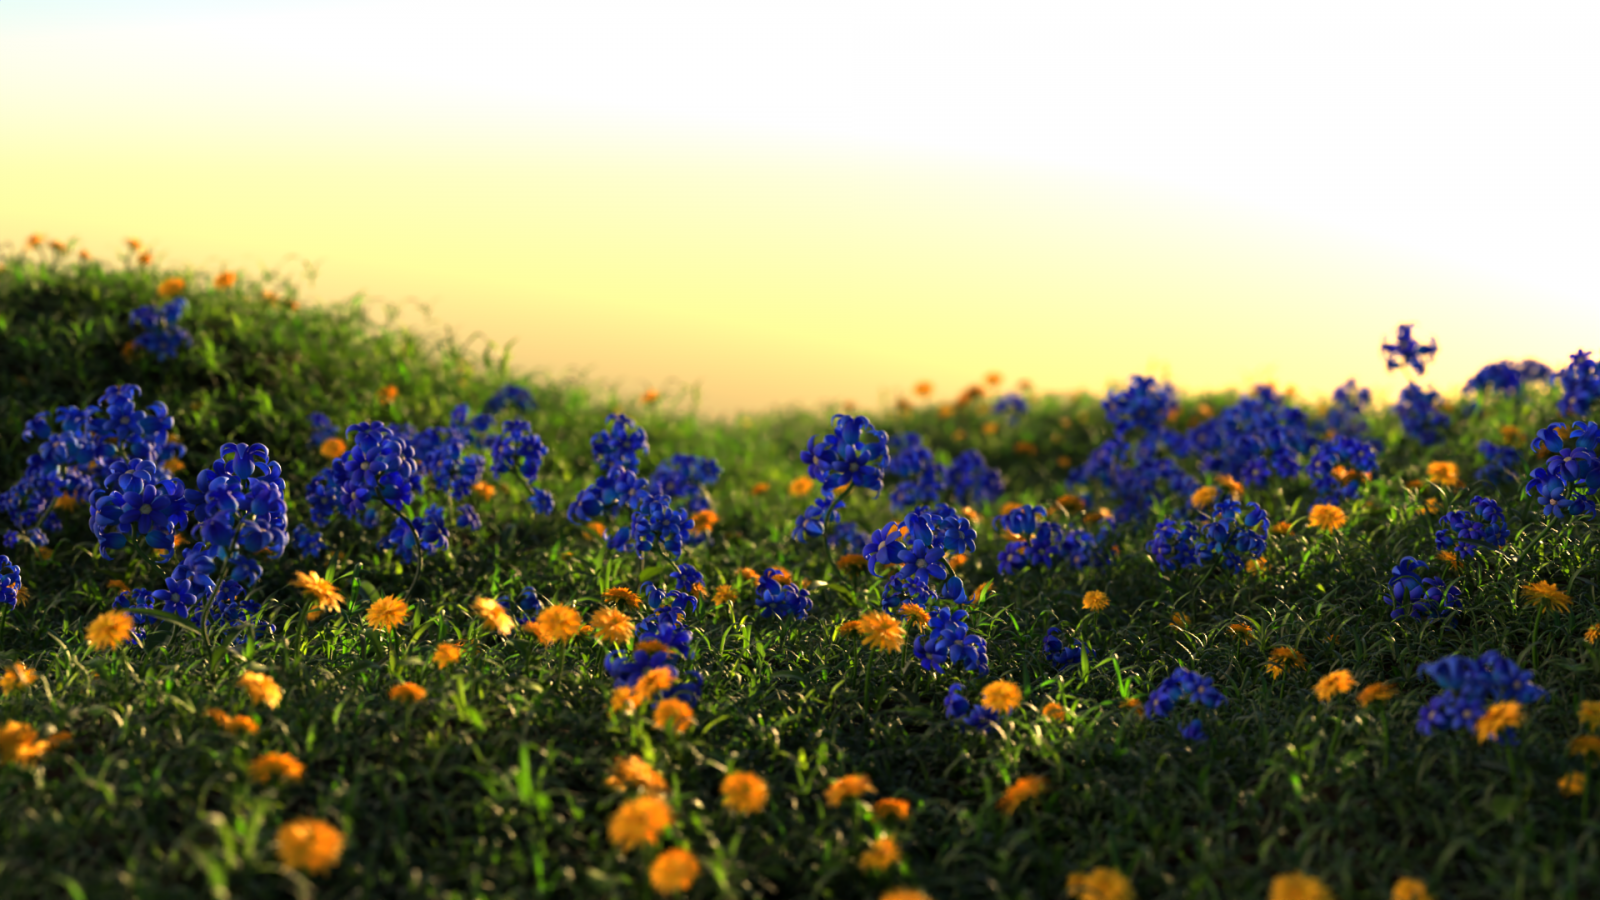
241	497
972	480
517	449
972	715
510	396
848	538
814	519
10	581
1038	542
610	492
950	641
1144	405
1565	484
1181	685
161	336
1137	473
1172	546
1062	655
1419	414
381	465
1467	533
1412	592
852	455
1193	732
1347	414
1257	438
1499	463
308	541
1232	534
923	479
1339	467
1011	405
1580	384
684	476
785	601
919	545
655	525
1405	351
1470	685
428	533
1507	377
322	428
619	444
137	500
138	600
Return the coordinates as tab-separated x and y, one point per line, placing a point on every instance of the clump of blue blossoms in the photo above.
518	449
620	443
853	455
1230	536
654	524
1467	533
1507	377
1145	405
511	396
322	428
1421	416
161	335
686	477
1340	466
967	713
1500	464
1565	483
1037	542
1061	655
918	546
1184	685
1413	592
1137	464
950	641
1580	384
1347	414
972	480
379	470
1470	685
10	581
1258	438
1012	406
1405	351
783	600
922	479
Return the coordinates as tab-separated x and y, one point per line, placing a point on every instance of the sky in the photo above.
760	205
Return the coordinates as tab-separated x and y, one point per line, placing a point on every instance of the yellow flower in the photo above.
18	675
387	613
1282	527
20	743
1593	634
673	871
883	852
1378	690
1297	886
632	771
1095	601
1021	791
171	287
1497	718
1444	473
801	486
673	715
1100	883
319	589
638	821
1203	497
117	585
848	787
1589	714
1408	888
388	394
1572	784
233	724
262	688
725	593
1000	696
1327	517
888	808
915	614
904	892
744	793
1287	656
611	625
332	448
621	596
1231	485
494	616
1135	704
1584	745
273	764
1242	630
312	845
557	623
1546	597
109	629
446	653
408	692
878	630
1331	685
1054	711
704	520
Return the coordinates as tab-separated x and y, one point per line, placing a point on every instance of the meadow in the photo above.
323	607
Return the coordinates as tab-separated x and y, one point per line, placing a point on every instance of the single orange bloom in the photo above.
388	394
1000	696
117	584
1378	690
447	653
631	771
1025	448
262	688
1573	784
1203	497
725	593
17	676
20	743
1231	485
1022	790
387	613
1095	601
1054	711
1546	597
1327	517
273	764
408	692
744	793
145	258
1497	718
852	562
781	575
759	488
924	388
1282	527
673	871
1444	473
1072	503
332	448
1331	685
673	715
134	244
801	486
637	822
313	846
35	240
621	596
848	787
612	625
555	624
226	279
234	724
878	630
915	614
704	520
650	396
171	287
110	629
887	808
494	616
483	490
881	853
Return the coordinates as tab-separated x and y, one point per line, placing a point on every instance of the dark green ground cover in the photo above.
493	785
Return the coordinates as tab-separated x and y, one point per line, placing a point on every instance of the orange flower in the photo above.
446	654
650	396
673	871
1054	711
1025	448
332	448
1584	745
1331	685
878	630
117	584
1297	886
17	676
134	244
759	488
1497	718
387	613
637	822
781	575
408	692
35	240
226	279
1022	790
1408	888
262	688
801	486
555	624
704	520
673	715
725	593
619	596
1180	620
612	625
1288	657
1282	527
1100	883
388	394
1203	497
1378	690
1231	485
1444	473
494	616
1546	597
1094	601
923	388
848	787
631	771
313	846
744	793
1242	630
881	853
916	615
233	724
313	585
21	744
1592	634
888	808
273	764
109	629
1000	696
853	562
145	258
1327	517
1572	784
1589	714
171	287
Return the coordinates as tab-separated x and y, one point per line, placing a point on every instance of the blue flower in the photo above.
1580	384
619	444
1193	732
308	541
655	525
161	337
784	601
1466	533
467	517
137	500
1258	438
322	428
10	581
1182	685
852	455
1144	405
972	480
1469	686
511	396
1136	473
1507	377
518	449
684	476
969	714
1061	655
625	670
1419	414
1351	456
1347	414
609	493
1412	592
1407	352
949	641
822	512
1499	463
1041	543
1011	405
1567	482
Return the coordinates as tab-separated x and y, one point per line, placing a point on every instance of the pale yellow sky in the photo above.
623	199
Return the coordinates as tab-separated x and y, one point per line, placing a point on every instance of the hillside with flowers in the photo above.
296	602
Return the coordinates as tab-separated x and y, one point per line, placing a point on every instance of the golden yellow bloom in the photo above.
632	771
20	743
674	870
1180	620
1242	630
638	821
1297	886
904	892
1589	714
704	521
1054	711
1572	784
408	692
226	279
1327	517
1288	657
1331	685
273	764
1444	473
1021	791
1000	696
759	488
1274	669
883	852
653	682
1071	503
1378	690
1203	497
621	596
17	676
878	630
557	623
233	724
146	257
673	715
1408	888
1448	558
1135	704
1497	718
1546	597
494	616
446	653
725	593
1593	634
801	486
1282	527
110	629
744	793
848	787
388	394
312	845
313	585
612	625
888	808
1584	745
387	613
1095	600
171	287
916	615
1100	883
262	688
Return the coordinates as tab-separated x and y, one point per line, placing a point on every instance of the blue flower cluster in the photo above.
1405	351
1135	473
511	396
686	477
161	335
1467	533
626	669
620	443
518	449
1337	466
971	480
1507	377
654	523
1413	592
138	500
1144	406
967	713
950	641
1347	414
1232	535
1061	655
665	625
1038	542
853	455
10	581
1470	685
1500	463
1258	438
662	638
1580	384
1181	685
783	600
922	479
814	519
918	545
1421	416
1011	405
1565	483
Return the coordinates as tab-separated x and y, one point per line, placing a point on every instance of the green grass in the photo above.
493	786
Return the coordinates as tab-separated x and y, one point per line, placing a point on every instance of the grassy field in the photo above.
501	780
